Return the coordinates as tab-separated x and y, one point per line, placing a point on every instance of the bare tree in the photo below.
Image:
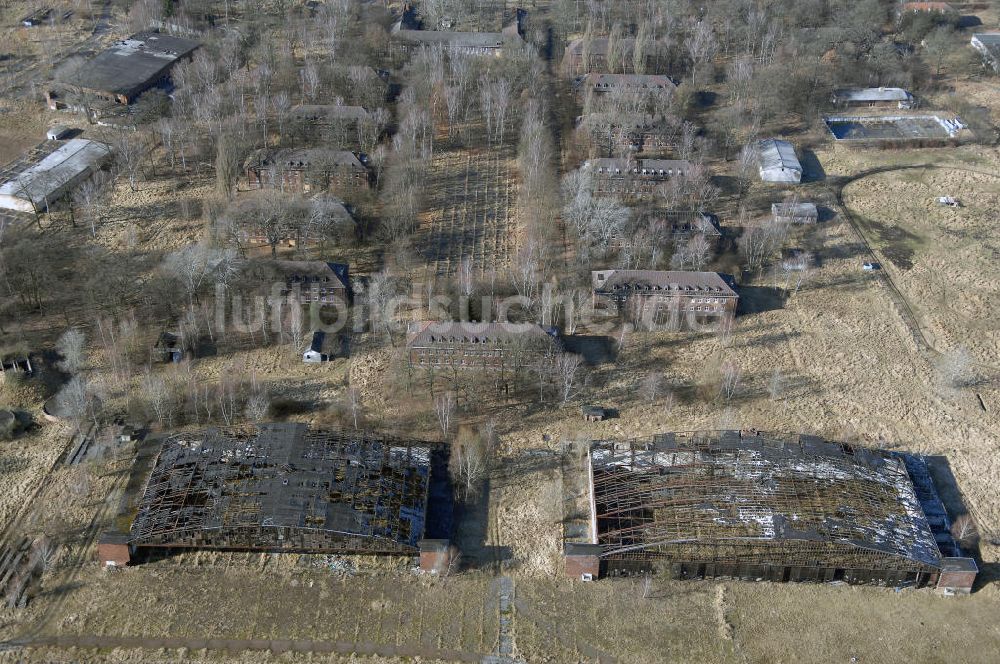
444	408
89	199
354	403
701	46
566	367
129	150
729	380
228	162
469	462
197	265
650	388
309	78
776	386
955	369
158	397
257	406
71	346
965	531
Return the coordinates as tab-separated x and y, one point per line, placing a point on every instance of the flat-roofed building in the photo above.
285	487
765	506
873	97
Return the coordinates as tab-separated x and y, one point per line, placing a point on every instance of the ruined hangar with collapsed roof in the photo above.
286	488
777	507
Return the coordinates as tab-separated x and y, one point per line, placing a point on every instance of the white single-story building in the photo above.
897	97
49	171
988	45
315	353
795	213
778	162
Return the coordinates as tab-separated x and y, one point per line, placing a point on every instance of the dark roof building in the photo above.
285	487
746	504
305	170
673	299
131	66
314	281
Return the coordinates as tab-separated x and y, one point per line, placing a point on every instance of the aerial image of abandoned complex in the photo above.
605	332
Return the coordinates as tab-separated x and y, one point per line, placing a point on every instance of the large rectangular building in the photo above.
286	487
675	299
130	66
480	346
49	172
751	505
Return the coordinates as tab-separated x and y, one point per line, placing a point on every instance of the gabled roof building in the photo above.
988	45
645	83
49	172
795	212
634	177
778	162
674	299
305	170
873	97
480	346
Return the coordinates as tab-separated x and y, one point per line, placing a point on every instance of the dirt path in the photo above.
274	646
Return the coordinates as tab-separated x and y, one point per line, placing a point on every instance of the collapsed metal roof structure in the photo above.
290	488
748	502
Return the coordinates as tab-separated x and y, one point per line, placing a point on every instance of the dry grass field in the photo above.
850	369
839	349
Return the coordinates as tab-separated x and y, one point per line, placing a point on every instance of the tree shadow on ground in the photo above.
595	349
758	299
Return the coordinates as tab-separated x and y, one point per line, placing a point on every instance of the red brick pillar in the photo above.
957	575
437	555
583	561
113	550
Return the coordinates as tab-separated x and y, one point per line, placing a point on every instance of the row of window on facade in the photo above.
669	172
668	287
610	86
